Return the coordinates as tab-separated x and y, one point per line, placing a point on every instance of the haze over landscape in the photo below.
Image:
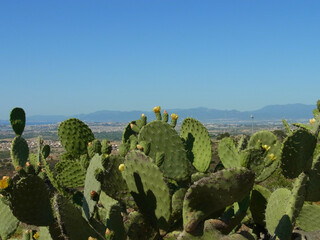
79	57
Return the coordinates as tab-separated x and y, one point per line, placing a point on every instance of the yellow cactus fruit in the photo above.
121	167
266	147
4	182
272	157
157	109
36	235
174	116
312	121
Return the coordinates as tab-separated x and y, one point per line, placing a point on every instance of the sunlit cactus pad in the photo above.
75	136
8	222
19	151
70	173
164	139
215	192
198	143
146	183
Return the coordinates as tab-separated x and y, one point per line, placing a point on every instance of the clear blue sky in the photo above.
70	57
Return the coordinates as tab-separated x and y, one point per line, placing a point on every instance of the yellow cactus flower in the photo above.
91	238
4	182
272	157
312	121
36	235
174	116
89	143
266	147
27	164
108	231
157	109
142	115
121	167
139	147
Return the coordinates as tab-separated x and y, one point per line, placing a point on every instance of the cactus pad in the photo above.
228	153
164	139
145	181
8	222
70	173
18	120
91	184
215	192
297	151
198	143
30	201
309	218
75	136
19	152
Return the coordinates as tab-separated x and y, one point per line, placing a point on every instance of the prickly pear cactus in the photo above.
146	183
164	139
215	192
198	143
18	120
297	152
75	136
70	173
19	152
8	222
228	153
30	202
309	218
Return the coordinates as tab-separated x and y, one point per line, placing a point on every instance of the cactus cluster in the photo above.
160	184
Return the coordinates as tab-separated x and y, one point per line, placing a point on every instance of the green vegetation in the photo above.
162	185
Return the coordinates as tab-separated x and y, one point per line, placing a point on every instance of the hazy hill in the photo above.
272	112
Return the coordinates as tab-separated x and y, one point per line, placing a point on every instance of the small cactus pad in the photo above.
70	173
297	151
198	143
145	181
71	223
30	201
75	136
8	222
94	147
113	183
309	218
19	152
18	120
228	153
215	192
164	139
91	184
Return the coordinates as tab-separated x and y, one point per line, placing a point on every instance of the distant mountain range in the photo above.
291	112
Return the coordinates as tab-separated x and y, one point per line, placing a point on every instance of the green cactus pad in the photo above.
228	153
198	175
283	208
75	136
106	147
128	132
71	223
215	192
18	120
297	153
30	201
70	174
8	222
44	234
258	204
198	143
94	147
275	215
313	190
164	138
19	152
137	227
145	181
91	184
309	218
177	203
113	183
